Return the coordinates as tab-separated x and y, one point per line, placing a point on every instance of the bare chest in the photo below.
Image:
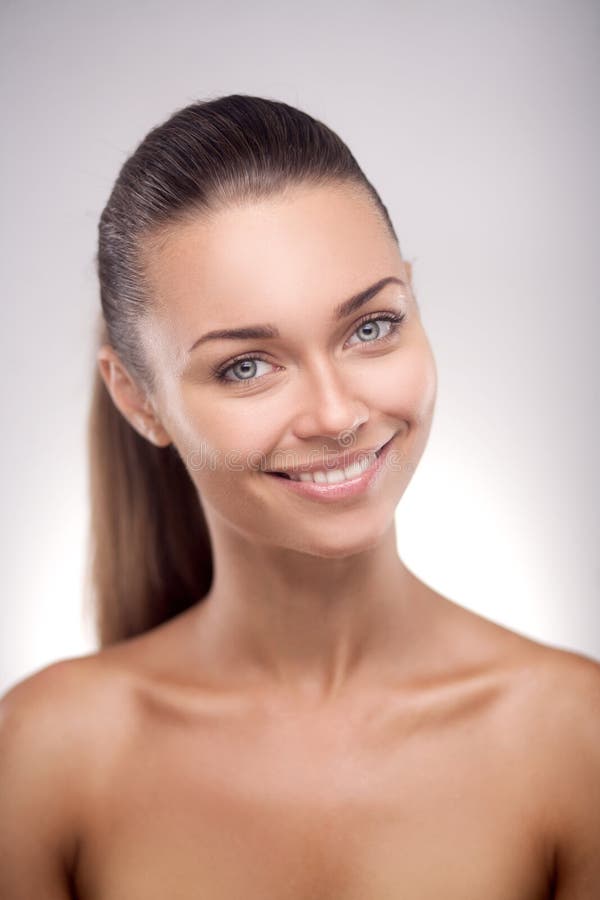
380	809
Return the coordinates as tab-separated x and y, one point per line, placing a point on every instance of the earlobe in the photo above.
155	433
409	275
153	428
129	398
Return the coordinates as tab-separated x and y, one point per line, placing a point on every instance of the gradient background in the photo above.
478	123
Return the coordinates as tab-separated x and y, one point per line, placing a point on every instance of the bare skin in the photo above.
323	724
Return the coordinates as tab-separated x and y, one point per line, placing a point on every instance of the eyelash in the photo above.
395	319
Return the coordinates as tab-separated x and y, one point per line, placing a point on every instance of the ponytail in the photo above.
149	549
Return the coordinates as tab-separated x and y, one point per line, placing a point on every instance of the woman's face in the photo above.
318	383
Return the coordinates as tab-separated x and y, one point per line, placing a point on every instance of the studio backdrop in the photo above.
478	123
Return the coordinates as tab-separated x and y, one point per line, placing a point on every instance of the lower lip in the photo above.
343	489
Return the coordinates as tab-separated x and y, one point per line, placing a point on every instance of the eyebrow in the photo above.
270	331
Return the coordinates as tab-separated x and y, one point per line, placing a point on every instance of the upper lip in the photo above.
340	461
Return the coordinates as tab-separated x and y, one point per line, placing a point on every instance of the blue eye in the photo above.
371	330
246	366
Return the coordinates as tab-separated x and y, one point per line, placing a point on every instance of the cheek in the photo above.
403	385
225	435
420	380
246	426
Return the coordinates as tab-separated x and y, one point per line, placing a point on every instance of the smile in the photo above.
332	476
336	484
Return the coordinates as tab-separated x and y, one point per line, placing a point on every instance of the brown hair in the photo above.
149	549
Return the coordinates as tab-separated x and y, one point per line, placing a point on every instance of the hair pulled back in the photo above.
149	549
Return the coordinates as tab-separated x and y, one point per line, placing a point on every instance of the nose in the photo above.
329	407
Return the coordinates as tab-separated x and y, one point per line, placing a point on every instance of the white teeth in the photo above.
356	468
335	476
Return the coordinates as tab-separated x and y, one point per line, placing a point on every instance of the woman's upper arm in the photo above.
37	788
577	793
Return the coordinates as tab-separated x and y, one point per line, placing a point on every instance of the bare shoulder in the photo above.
41	708
564	731
61	696
541	670
573	677
553	730
51	740
560	692
59	722
548	728
52	725
68	711
552	694
564	707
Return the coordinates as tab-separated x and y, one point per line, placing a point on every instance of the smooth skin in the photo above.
323	725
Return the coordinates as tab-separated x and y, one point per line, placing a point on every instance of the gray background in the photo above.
478	122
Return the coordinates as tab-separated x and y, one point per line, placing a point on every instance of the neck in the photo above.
281	618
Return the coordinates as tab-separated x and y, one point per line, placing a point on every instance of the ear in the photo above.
408	271
129	398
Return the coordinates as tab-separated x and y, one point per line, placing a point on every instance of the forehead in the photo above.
269	260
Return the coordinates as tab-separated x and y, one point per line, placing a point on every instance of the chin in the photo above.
339	542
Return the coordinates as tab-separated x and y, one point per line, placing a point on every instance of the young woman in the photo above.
279	708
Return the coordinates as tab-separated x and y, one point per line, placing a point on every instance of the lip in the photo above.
341	461
353	487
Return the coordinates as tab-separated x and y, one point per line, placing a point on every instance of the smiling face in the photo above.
329	372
